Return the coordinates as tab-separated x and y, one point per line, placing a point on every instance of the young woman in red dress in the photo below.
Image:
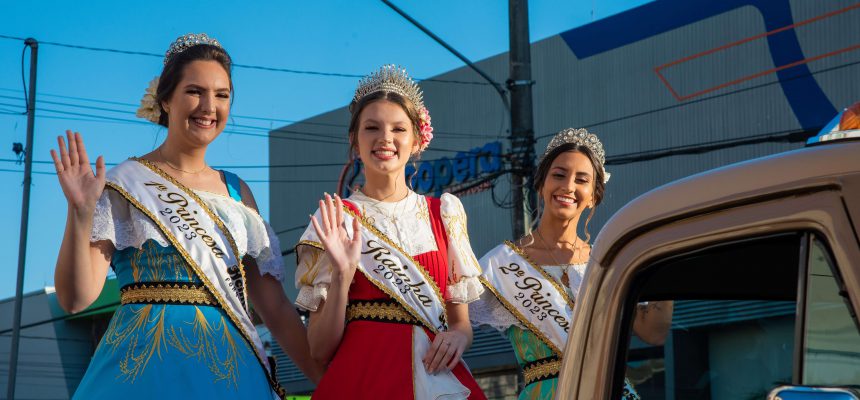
387	273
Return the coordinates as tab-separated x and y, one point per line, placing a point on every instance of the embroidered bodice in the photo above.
407	223
125	226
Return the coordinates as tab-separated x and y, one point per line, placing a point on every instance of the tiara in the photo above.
188	41
581	137
392	78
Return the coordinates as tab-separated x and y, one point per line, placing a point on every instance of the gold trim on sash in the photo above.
520	317
421	270
214	218
155	293
534	265
391	243
281	392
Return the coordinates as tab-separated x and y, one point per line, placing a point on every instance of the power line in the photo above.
236	65
452	135
237	116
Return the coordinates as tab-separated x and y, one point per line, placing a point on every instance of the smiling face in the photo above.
199	106
568	188
385	137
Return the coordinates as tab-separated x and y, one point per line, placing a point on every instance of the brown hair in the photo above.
171	75
599	184
355	109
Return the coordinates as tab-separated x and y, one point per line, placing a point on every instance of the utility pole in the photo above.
25	214
522	121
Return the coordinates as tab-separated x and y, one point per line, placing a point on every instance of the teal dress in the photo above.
528	348
166	350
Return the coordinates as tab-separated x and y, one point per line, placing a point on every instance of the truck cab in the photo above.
761	261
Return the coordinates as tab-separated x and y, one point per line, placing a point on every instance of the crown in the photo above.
390	78
581	137
188	41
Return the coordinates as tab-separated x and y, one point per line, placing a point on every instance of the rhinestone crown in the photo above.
390	78
582	137
187	41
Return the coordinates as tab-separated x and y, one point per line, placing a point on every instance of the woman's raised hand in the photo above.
81	187
342	251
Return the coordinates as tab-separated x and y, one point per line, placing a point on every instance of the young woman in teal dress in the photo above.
189	249
532	284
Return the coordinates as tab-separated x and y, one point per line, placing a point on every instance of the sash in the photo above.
385	264
537	300
200	237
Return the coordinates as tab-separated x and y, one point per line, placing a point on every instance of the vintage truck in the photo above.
762	263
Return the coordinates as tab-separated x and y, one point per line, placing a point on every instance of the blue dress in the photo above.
167	350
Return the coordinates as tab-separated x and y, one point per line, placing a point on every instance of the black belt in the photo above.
383	310
542	369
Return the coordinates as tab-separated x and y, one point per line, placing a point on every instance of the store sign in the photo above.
437	175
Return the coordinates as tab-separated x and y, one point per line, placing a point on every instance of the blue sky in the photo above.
96	93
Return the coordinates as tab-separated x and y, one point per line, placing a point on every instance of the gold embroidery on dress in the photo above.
379	311
541	370
310	262
151	264
147	327
204	347
193	265
423	213
166	292
456	227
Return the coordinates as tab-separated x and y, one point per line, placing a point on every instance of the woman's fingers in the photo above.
356	230
324	216
100	168
317	228
439	355
58	164
82	151
332	213
64	155
73	148
455	358
339	204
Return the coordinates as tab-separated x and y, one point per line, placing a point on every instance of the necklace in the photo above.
565	276
180	169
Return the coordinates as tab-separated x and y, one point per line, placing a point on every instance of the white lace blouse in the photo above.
406	222
125	226
489	310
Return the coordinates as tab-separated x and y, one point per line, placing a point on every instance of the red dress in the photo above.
374	359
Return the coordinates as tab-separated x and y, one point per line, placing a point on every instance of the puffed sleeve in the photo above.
463	283
313	270
265	248
488	310
117	221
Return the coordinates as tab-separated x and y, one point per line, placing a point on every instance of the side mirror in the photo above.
814	393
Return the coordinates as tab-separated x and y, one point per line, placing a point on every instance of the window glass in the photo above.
831	353
732	330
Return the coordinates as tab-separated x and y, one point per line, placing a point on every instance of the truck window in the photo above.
831	348
733	325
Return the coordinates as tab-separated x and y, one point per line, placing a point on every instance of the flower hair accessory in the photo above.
149	108
392	78
581	137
